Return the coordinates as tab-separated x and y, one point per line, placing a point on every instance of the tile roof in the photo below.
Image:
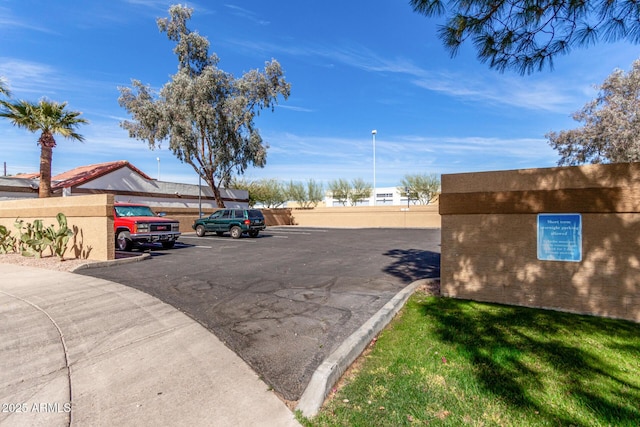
84	174
34	175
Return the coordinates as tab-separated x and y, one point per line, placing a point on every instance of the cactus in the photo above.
58	240
7	241
34	238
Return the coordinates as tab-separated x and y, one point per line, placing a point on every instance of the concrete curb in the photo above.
330	370
134	258
78	350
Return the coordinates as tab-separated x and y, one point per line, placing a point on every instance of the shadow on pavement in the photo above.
413	264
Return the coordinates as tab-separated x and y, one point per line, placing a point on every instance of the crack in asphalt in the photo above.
283	305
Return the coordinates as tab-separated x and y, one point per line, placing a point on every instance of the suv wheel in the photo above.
254	233
123	242
236	232
200	230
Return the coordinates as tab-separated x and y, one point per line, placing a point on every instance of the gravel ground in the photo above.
48	262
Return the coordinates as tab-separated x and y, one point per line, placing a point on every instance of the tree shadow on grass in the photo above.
518	352
413	264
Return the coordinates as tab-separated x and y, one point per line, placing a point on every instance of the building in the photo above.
385	196
127	183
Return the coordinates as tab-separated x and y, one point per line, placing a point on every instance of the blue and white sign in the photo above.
560	237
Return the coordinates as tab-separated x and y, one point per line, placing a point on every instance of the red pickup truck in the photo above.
135	223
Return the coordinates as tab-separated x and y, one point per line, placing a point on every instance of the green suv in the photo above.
234	221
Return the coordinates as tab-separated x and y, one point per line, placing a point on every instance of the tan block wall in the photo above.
369	216
91	217
278	216
186	216
489	238
359	217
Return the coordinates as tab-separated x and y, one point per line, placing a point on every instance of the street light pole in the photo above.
158	160
373	135
199	195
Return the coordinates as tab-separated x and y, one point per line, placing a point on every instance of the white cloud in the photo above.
295	108
153	4
28	76
247	14
8	21
532	93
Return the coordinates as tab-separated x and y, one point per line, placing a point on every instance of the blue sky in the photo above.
354	66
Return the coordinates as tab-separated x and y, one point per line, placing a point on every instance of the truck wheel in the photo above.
200	230
123	242
253	233
236	232
168	245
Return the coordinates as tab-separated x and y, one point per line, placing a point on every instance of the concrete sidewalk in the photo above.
76	350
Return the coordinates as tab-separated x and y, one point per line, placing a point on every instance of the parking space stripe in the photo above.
297	230
283	231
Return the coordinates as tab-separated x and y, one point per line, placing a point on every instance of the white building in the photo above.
384	196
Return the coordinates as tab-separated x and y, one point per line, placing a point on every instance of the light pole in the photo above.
406	189
199	195
158	160
373	135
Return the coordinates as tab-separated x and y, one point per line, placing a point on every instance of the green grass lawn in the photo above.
452	362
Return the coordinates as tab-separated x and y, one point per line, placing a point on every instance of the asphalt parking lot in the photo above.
285	300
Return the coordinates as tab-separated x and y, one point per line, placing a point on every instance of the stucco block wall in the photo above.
369	216
91	217
489	238
360	216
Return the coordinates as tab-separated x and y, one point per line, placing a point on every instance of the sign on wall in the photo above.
560	237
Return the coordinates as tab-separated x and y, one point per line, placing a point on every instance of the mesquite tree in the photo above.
360	190
206	114
423	188
306	195
266	192
340	189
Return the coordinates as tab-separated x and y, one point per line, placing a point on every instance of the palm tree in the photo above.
48	118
